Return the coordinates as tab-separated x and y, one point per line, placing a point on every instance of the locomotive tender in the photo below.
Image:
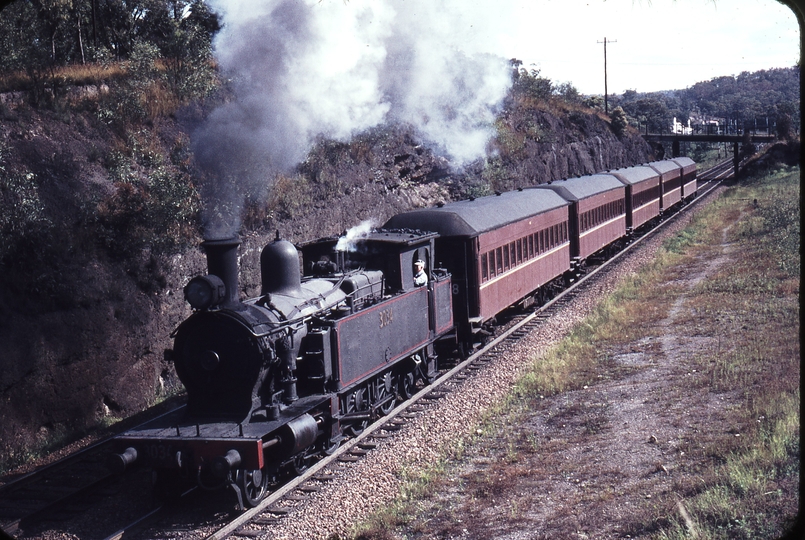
276	381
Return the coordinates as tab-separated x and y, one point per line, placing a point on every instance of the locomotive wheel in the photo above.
385	388
330	450
407	386
356	403
300	463
253	484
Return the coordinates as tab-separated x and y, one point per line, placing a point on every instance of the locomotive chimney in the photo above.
222	261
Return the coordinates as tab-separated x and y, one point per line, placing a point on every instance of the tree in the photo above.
529	83
568	92
187	49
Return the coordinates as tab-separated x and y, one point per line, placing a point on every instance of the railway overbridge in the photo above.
713	137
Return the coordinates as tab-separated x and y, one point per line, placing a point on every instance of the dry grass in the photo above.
72	75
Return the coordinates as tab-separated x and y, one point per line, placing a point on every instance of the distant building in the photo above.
681	129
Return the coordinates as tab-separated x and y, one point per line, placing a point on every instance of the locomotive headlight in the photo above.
204	292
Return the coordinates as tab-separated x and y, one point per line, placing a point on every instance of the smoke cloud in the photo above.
302	69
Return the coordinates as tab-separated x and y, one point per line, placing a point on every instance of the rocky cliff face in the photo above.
85	326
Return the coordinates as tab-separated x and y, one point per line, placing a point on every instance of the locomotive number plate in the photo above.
159	453
386	317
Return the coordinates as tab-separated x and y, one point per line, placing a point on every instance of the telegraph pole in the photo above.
606	96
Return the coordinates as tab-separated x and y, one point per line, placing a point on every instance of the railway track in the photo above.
54	489
72	487
60	491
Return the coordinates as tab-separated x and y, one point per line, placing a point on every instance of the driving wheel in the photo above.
253	484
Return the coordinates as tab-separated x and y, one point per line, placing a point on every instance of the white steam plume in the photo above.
301	69
347	242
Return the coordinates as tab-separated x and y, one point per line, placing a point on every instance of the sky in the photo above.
652	45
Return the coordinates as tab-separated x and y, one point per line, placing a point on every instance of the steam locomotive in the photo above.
274	381
277	381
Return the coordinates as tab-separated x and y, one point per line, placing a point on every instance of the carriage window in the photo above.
519	251
530	246
484	268
499	260
506	257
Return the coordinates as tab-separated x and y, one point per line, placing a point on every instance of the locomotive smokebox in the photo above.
222	261
279	269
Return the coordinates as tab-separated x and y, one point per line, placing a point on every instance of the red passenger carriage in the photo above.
689	180
597	212
642	195
670	183
499	249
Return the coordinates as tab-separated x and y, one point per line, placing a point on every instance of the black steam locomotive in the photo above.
276	381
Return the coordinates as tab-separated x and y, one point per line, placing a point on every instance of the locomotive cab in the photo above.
393	253
376	271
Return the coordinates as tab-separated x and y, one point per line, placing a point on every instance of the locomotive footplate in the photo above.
175	442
